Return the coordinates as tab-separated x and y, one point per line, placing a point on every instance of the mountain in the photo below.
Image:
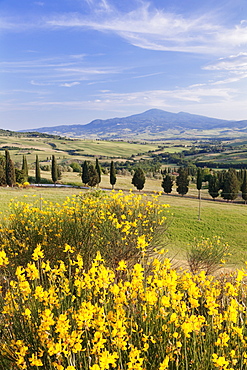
153	123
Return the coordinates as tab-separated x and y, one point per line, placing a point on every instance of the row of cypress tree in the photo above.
227	184
9	175
91	175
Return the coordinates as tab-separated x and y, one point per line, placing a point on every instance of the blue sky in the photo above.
72	61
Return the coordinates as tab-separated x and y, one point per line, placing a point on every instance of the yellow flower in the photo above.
37	253
68	248
106	359
34	361
220	361
164	364
32	271
141	242
222	340
95	367
27	313
121	266
3	258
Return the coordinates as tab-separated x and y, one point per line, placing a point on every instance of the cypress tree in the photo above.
93	176
2	171
214	186
59	172
230	187
221	177
182	181
199	179
37	171
19	176
54	171
138	179
85	175
164	173
10	170
167	184
24	168
113	177
244	187
98	169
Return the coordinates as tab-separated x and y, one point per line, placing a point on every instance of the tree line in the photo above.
224	183
91	175
10	175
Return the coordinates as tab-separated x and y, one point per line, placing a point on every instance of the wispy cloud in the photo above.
148	28
160	30
234	63
71	84
232	68
148	98
57	70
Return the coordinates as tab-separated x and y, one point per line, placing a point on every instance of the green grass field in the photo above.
226	220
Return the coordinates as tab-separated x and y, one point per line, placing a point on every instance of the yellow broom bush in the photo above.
111	223
67	318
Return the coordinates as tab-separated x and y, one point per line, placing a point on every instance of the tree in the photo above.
10	169
199	179
244	187
85	174
230	187
37	171
54	169
138	179
98	169
113	177
59	172
167	184
182	181
20	177
24	168
76	167
93	176
2	171
214	185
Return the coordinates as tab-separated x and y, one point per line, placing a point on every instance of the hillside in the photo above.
152	124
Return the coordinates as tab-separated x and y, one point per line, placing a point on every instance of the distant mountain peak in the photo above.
151	123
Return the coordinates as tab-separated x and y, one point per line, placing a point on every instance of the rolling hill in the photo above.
154	123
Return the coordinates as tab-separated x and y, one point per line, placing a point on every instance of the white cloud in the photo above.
150	98
55	71
159	30
234	63
215	101
153	29
32	82
232	68
66	84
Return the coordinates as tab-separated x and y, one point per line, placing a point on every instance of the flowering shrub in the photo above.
66	318
113	223
207	255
